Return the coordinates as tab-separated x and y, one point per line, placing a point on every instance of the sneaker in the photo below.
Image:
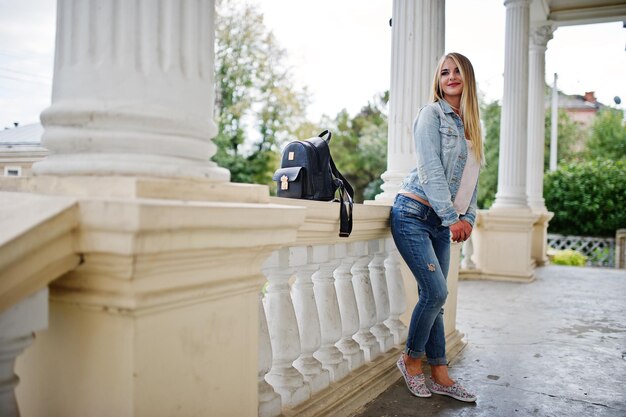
415	383
455	391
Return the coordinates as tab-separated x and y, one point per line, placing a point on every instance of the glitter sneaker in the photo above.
415	383
455	391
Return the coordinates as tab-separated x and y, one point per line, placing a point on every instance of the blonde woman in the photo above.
437	201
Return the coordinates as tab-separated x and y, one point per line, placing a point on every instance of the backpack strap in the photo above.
346	198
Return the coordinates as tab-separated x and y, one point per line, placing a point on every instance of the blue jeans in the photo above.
424	244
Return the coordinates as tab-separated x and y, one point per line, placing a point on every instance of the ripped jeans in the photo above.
424	244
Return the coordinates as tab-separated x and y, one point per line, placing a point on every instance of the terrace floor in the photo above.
554	347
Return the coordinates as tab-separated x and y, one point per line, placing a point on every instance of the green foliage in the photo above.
608	136
587	198
571	138
256	105
359	146
488	179
569	257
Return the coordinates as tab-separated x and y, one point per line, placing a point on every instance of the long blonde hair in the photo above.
469	100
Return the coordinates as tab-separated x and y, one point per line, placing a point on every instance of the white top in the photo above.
468	182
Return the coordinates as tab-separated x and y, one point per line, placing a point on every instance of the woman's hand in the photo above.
461	231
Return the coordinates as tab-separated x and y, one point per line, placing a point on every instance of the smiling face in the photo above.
450	81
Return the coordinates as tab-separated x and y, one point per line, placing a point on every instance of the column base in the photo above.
502	244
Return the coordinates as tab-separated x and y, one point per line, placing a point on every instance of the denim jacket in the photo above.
441	154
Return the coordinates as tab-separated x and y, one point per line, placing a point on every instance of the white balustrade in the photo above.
17	327
347	306
309	324
329	315
378	281
269	401
283	330
366	307
468	251
397	300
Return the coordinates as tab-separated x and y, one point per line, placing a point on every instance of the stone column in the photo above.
536	115
513	123
418	32
133	90
539	38
503	234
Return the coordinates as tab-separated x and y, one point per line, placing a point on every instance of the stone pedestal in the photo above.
502	244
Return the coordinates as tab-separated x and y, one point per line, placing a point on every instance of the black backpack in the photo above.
307	171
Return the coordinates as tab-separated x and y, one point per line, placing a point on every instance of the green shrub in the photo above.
588	198
569	257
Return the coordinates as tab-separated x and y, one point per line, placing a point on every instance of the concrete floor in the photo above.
555	347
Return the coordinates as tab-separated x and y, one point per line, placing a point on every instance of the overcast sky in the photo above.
339	49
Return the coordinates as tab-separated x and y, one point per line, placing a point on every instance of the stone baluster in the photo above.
365	304
17	327
397	300
283	330
269	401
468	250
348	307
381	294
308	321
329	314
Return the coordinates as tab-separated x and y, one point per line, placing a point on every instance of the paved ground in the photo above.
555	347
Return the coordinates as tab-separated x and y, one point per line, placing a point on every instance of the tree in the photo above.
257	106
488	179
359	146
571	139
587	197
608	136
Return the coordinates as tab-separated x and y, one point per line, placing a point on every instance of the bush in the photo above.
569	257
587	198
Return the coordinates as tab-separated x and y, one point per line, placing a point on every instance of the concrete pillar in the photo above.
133	90
418	32
539	38
503	235
513	125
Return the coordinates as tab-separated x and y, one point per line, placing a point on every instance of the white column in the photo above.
284	334
536	115
366	307
513	125
417	43
308	323
348	308
17	327
397	298
381	294
133	90
329	315
269	401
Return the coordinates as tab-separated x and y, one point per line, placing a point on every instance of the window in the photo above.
13	171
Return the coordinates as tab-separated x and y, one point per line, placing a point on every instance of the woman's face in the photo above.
450	81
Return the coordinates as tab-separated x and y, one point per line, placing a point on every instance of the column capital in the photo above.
541	35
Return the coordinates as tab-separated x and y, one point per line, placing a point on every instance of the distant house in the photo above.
581	109
20	148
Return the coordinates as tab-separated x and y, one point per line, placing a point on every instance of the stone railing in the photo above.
154	305
333	330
